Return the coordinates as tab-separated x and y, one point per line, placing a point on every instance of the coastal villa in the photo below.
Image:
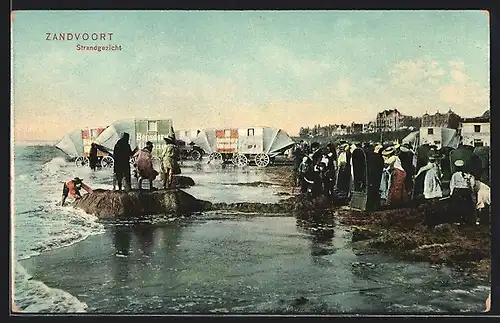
476	131
445	120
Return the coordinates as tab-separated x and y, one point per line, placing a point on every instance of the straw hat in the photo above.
169	138
388	151
459	163
377	148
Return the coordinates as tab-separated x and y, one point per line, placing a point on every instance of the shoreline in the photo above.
398	232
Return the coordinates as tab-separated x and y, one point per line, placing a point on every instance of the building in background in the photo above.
409	122
370	127
388	120
476	131
445	120
356	128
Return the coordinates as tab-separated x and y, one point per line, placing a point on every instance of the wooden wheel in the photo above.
107	162
262	160
241	160
195	155
81	161
215	156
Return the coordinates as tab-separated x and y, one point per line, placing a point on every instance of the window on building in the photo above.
152	126
250	132
227	133
186	133
477	128
430	131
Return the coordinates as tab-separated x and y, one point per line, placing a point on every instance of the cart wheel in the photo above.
107	162
234	160
215	156
195	155
262	160
81	161
241	160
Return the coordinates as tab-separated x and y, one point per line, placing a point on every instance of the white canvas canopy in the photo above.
110	136
449	138
72	144
274	140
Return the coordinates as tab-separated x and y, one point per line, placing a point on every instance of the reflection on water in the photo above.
219	263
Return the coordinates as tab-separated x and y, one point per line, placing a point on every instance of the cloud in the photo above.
280	58
410	72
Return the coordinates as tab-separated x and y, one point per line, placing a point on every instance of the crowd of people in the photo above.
143	163
388	175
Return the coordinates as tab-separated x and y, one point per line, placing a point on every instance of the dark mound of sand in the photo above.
107	204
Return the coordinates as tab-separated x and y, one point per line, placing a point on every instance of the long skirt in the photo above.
344	178
462	206
397	191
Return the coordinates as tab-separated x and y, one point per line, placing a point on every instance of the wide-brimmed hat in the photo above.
168	138
77	180
388	151
344	146
377	148
459	163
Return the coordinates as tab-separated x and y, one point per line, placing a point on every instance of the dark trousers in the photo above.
119	176
463	206
65	192
93	163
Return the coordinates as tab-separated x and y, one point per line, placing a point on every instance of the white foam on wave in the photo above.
42	225
33	296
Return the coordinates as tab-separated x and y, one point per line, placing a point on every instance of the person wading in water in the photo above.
73	187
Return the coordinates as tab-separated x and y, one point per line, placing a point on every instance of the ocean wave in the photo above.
33	296
41	224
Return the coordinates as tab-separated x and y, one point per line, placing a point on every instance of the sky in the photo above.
283	69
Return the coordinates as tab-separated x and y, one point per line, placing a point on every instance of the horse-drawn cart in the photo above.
77	143
243	146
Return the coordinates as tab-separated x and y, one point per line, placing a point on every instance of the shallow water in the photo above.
216	263
209	263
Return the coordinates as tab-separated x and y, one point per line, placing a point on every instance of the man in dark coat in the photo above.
122	153
93	156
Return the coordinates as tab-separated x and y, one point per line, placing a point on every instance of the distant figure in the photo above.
483	197
93	156
396	191
144	165
304	168
167	161
122	153
343	177
73	187
298	154
432	179
406	156
462	194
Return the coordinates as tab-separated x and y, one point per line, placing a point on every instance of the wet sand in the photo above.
399	232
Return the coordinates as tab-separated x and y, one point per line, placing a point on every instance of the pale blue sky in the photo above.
229	68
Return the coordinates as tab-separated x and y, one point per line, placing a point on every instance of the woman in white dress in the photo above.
432	179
